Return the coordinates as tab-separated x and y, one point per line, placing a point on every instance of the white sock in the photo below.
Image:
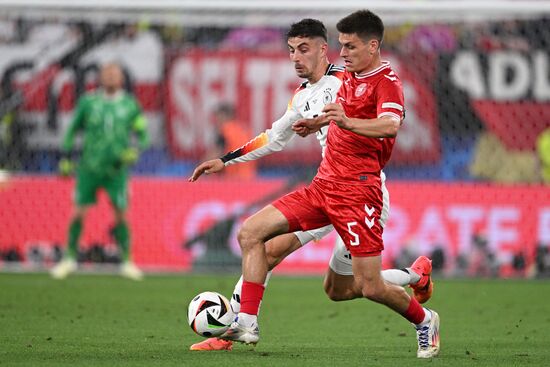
396	276
247	320
427	317
415	278
400	277
236	297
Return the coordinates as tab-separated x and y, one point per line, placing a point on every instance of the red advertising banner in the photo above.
163	214
166	213
260	86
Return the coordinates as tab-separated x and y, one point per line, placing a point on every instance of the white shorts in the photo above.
340	261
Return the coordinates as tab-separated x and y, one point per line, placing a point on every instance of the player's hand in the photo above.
335	112
129	156
304	127
211	166
66	167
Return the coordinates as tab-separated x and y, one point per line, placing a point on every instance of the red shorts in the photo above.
354	211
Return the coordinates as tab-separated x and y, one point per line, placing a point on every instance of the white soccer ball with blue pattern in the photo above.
210	314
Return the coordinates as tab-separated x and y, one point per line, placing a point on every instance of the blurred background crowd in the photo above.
470	147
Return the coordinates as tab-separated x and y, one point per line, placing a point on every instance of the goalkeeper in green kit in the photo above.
108	118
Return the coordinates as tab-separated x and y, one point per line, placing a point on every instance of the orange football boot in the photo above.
213	344
422	291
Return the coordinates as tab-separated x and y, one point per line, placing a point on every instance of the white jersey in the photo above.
308	102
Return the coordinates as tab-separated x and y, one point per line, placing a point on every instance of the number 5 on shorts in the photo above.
355	241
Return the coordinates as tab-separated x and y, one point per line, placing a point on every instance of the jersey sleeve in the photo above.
270	141
139	126
389	98
76	124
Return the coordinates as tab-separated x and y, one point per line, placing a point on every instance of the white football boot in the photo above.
428	338
242	334
63	268
130	271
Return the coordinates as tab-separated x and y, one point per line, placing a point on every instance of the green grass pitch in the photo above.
92	320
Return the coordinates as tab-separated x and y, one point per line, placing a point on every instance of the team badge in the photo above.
361	89
327	97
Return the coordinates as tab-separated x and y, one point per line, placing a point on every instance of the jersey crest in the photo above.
361	89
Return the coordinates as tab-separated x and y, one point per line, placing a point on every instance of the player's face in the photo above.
307	54
358	55
111	77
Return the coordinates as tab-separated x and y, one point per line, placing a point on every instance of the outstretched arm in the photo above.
66	166
140	128
270	141
130	155
211	166
75	125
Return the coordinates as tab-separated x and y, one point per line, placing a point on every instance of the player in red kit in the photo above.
347	189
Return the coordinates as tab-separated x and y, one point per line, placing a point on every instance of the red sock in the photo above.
251	296
415	313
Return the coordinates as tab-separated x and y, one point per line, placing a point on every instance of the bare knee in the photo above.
279	247
336	293
247	237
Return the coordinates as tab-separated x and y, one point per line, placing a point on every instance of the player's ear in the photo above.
324	48
374	45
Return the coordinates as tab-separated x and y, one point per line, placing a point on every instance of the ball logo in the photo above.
361	89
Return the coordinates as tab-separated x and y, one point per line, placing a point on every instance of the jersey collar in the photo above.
114	97
385	64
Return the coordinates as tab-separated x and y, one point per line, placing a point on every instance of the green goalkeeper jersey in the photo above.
107	123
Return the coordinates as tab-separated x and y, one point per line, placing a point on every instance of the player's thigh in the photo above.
85	191
117	190
367	271
317	234
264	225
279	247
338	283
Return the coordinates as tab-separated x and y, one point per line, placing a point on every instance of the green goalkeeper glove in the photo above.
66	167
129	156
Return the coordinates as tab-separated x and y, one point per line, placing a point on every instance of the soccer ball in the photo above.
210	314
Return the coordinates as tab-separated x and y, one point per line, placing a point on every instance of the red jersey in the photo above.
353	158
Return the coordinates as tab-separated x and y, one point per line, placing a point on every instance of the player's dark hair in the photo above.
310	28
364	23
